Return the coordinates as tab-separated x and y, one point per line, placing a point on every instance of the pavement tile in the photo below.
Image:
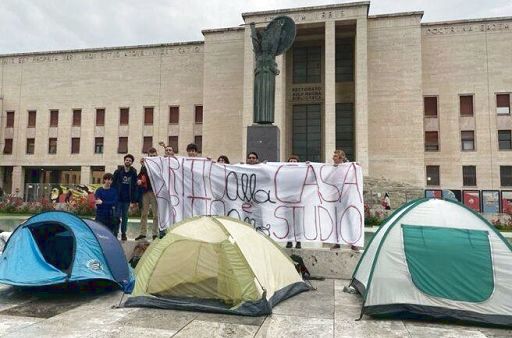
158	319
276	326
9	324
199	328
369	328
230	319
130	332
442	331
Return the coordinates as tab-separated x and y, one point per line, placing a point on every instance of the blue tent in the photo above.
57	247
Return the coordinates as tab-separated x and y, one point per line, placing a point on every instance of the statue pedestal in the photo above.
264	141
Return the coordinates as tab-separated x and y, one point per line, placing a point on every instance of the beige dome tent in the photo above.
215	264
437	259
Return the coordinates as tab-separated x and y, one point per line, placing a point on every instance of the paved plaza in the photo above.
326	312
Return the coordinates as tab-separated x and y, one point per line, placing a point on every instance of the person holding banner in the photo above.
148	200
192	150
293	159
223	159
338	157
252	158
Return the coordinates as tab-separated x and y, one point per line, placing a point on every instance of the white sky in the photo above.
42	25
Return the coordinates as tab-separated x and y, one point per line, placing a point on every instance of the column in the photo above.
280	105
247	113
361	94
18	180
329	126
85	174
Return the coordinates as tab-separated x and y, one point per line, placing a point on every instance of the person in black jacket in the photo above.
125	182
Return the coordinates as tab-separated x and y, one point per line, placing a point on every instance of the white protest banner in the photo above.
311	202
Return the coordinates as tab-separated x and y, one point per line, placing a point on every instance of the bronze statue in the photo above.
274	40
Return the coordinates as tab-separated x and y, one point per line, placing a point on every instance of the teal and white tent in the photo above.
437	259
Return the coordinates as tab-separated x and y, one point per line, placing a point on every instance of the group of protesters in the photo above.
125	188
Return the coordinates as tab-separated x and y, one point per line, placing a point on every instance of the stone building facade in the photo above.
423	103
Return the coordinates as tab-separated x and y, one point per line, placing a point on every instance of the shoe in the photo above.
289	245
355	248
298	246
123	237
140	237
335	246
155	237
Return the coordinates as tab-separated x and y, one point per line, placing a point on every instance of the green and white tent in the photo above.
437	259
215	264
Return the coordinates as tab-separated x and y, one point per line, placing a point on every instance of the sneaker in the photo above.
335	246
355	248
155	237
123	237
289	245
138	238
298	246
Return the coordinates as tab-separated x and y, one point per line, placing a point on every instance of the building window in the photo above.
466	105
430	106
502	104
148	115
433	175
431	141
10	120
31	119
344	61
54	118
469	175
75	145
199	114
307	64
506	175
31	142
124	116
77	117
146	144
173	142
98	145
174	114
467	140
122	147
8	146
504	139
52	146
100	116
198	140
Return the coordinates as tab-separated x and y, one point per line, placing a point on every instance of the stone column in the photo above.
18	180
85	174
247	118
329	123
361	94
280	105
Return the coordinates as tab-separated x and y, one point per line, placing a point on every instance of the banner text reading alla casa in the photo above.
313	202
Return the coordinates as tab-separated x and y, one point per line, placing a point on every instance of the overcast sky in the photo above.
42	25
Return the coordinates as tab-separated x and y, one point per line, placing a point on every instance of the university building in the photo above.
423	103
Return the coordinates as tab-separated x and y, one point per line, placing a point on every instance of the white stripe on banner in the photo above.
312	202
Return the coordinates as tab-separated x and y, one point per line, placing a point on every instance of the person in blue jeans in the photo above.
125	182
106	200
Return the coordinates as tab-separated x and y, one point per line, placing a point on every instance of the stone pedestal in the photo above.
264	140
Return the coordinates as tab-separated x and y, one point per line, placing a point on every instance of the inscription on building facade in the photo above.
478	27
306	94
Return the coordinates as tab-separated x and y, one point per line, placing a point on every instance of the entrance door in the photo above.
307	132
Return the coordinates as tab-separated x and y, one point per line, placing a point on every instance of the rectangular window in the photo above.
31	142
173	142
146	144
148	115
54	118
100	116
505	175
199	114
198	140
466	105
502	104
10	120
431	141
430	106
122	147
124	116
174	114
505	139
77	117
469	175
344	61
307	64
75	145
467	140
433	175
31	119
52	146
8	146
98	145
